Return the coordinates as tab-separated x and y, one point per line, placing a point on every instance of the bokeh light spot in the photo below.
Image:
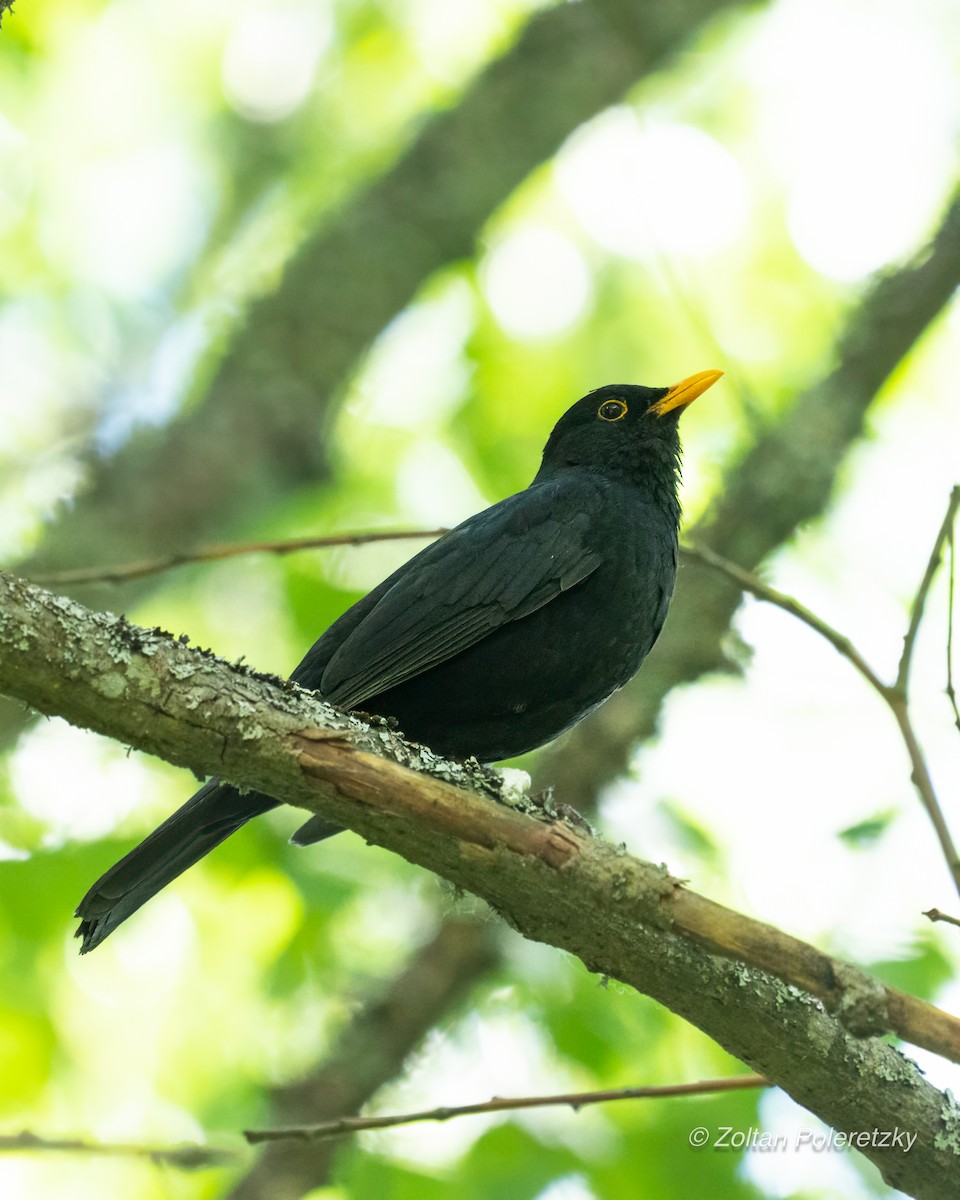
640	190
536	282
270	60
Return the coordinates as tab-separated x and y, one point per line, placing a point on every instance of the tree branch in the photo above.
344	1126
203	554
551	880
944	535
951	605
934	914
187	1157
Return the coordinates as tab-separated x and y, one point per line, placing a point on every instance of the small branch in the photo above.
923	782
756	587
152	566
344	1126
934	914
894	695
951	601
187	1157
919	601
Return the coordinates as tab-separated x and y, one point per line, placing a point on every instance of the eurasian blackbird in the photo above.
494	639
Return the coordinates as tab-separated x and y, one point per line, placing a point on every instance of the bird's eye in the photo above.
612	410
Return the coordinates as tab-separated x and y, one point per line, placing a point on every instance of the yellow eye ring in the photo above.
612	410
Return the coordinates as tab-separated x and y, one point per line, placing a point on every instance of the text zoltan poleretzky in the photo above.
725	1137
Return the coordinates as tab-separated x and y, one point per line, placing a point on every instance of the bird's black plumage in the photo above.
492	640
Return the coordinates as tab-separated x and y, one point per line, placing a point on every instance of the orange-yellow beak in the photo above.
685	392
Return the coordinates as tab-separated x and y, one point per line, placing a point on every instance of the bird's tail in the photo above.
209	816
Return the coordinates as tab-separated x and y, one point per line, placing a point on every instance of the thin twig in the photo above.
934	914
898	695
152	566
189	1157
755	586
916	610
894	695
923	782
951	579
343	1126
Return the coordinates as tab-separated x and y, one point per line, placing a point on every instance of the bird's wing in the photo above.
496	567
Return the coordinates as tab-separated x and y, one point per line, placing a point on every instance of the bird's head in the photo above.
624	429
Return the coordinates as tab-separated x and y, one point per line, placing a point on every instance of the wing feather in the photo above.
496	567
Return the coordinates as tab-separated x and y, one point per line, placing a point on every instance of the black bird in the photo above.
494	639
